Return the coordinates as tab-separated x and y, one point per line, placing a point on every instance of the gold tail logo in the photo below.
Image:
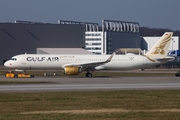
160	48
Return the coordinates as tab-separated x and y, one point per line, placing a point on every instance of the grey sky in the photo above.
149	13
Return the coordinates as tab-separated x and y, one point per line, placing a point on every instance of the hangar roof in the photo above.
62	51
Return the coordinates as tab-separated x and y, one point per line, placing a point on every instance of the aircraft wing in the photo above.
90	65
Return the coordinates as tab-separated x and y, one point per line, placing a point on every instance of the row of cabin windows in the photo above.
95	59
14	59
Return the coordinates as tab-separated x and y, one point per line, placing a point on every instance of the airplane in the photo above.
74	64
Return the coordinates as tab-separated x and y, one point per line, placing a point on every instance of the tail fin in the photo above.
160	49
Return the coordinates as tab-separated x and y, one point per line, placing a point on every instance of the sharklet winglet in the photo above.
110	58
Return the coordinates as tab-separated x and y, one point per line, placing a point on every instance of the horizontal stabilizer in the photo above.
166	59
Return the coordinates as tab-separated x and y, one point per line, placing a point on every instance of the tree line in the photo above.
146	31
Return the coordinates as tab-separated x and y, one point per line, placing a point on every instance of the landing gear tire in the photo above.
15	76
31	76
88	75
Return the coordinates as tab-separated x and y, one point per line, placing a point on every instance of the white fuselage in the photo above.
57	62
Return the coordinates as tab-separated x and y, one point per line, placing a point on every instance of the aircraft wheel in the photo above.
31	76
15	76
88	75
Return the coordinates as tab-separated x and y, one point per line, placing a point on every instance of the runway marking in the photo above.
85	111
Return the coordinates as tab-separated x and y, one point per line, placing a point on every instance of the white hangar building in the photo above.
148	42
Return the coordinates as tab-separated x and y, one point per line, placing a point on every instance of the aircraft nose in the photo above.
7	64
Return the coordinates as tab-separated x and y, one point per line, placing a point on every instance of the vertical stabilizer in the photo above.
160	49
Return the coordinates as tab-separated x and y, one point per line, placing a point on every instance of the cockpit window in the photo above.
14	59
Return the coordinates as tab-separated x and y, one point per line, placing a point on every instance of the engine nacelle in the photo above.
72	70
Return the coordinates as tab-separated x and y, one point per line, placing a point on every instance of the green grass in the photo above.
98	105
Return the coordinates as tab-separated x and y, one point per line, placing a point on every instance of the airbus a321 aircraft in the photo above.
74	64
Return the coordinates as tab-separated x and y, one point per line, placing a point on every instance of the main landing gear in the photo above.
88	74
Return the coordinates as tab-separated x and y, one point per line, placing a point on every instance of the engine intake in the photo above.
72	70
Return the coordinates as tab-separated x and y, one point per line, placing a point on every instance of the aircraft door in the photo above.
78	60
23	59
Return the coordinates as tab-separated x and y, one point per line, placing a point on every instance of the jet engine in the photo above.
72	70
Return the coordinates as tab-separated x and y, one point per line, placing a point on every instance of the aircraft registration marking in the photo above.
131	58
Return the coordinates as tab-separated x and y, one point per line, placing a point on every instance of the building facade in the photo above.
20	38
94	42
111	36
26	37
